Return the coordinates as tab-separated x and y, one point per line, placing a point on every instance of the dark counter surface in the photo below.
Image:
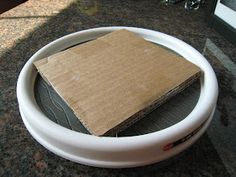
30	26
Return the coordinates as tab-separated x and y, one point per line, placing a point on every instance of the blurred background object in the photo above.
6	5
192	4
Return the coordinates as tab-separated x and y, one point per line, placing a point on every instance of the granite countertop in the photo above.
30	26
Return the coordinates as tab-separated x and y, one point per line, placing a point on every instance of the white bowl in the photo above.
117	152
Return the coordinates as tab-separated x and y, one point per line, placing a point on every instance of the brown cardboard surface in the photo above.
109	81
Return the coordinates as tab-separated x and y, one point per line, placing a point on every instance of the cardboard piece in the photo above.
115	80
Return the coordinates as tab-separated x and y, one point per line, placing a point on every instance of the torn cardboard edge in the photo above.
111	37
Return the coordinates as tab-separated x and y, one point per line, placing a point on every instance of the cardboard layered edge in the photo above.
142	113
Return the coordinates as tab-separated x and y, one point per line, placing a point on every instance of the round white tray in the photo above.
117	152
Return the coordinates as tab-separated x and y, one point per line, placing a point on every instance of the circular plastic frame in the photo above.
116	152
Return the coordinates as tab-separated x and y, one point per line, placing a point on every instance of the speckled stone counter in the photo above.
30	26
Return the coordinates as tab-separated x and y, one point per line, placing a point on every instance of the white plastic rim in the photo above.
116	152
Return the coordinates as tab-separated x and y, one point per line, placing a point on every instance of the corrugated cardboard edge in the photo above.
142	113
37	64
